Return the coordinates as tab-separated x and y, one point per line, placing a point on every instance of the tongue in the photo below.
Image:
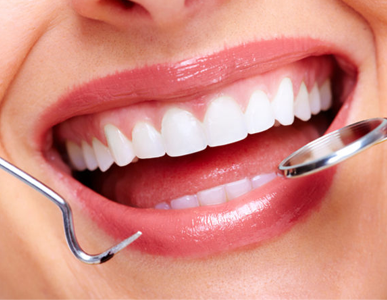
151	181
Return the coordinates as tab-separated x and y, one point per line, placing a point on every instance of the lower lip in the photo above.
254	218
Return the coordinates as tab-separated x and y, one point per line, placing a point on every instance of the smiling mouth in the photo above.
202	167
153	144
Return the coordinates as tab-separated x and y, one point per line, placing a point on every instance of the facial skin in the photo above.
49	47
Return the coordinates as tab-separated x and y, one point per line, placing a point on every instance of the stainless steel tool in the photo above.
67	218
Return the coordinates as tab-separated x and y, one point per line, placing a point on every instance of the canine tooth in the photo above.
262	179
102	154
185	202
314	100
326	95
213	196
283	102
88	154
224	122
301	105
119	145
76	156
147	141
259	114
182	133
163	205
238	188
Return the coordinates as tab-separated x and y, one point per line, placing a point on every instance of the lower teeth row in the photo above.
219	194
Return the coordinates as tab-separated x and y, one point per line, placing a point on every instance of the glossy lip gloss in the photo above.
253	218
182	81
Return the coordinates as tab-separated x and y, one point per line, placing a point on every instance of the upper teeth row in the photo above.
182	133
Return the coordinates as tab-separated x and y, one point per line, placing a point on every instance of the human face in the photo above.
68	68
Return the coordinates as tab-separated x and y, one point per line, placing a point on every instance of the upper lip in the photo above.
183	80
180	82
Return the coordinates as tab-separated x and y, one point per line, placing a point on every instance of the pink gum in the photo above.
309	70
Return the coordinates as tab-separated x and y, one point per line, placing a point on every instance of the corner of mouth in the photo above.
217	169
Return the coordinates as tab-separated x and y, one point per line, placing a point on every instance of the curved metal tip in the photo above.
108	254
97	258
126	242
67	218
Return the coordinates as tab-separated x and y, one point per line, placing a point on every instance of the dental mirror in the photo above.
334	148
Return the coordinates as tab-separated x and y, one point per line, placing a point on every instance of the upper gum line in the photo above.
119	129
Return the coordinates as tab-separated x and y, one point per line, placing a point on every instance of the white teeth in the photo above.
314	100
283	102
147	141
216	195
119	145
102	154
76	156
182	133
259	114
224	122
262	179
326	95
185	202
238	188
88	154
301	105
219	194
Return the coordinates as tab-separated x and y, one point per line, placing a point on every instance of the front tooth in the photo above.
102	154
182	133
185	202
213	196
314	100
224	122
283	102
326	95
259	114
88	153
301	105
119	145
76	156
147	141
238	188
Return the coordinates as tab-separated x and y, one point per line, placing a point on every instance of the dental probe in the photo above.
67	218
334	148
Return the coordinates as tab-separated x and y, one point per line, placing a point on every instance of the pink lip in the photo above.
258	216
181	81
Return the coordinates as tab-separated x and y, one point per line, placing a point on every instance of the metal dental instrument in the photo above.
318	155
67	218
334	148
